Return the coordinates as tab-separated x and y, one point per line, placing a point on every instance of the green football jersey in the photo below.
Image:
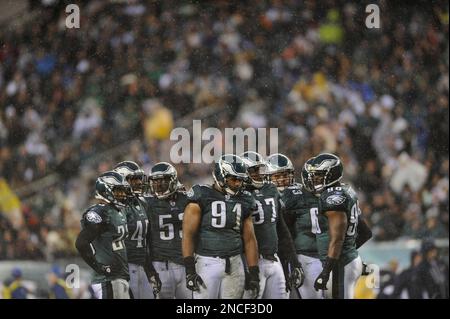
166	220
222	220
109	247
265	219
339	198
137	222
304	206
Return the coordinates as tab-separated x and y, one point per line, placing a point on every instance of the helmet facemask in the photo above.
230	174
257	175
122	194
162	186
133	174
316	177
282	179
111	187
137	182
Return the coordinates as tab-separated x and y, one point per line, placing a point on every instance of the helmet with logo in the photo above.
230	173
281	170
133	174
256	168
163	180
112	187
322	171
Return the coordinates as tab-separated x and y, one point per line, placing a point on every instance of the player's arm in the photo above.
363	231
191	223
286	245
250	244
251	255
289	219
287	250
150	271
83	244
337	225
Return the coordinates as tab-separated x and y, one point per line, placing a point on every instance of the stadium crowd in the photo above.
133	71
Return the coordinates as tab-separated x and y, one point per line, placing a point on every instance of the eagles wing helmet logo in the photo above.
93	217
190	193
335	199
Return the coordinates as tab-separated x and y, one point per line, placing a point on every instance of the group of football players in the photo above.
253	233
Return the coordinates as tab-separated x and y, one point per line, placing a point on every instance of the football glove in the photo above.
105	270
154	280
252	281
322	279
193	280
297	276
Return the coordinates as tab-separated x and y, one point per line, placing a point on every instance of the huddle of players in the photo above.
253	233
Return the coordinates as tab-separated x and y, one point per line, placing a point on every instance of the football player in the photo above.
217	227
301	204
101	240
165	212
142	272
271	232
336	224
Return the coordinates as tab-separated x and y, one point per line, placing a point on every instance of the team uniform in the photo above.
109	249
301	208
349	266
266	222
135	243
219	244
166	218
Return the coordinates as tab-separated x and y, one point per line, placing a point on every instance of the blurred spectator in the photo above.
407	285
13	288
58	287
388	278
432	272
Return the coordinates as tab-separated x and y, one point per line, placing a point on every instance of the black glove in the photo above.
252	280
193	280
105	270
153	278
322	279
297	276
365	270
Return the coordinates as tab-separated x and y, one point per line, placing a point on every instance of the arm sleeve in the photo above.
286	245
86	236
148	250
